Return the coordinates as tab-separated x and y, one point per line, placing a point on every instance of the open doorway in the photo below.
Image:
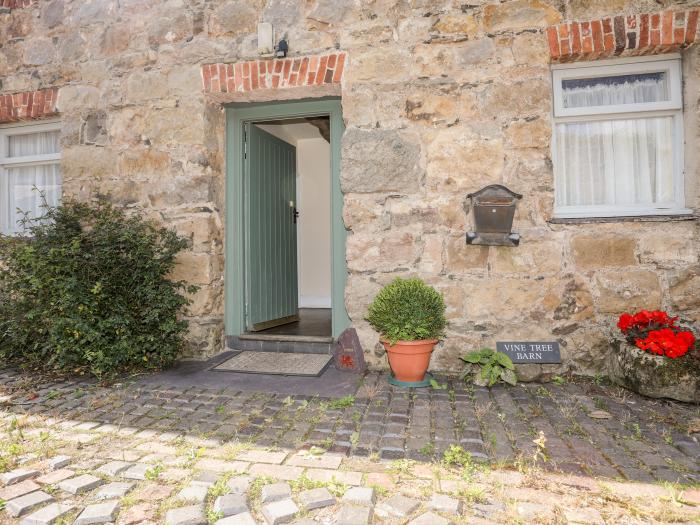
288	228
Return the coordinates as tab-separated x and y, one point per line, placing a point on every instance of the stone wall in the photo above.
440	98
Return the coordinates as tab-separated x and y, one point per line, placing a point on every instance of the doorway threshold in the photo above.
285	337
308	344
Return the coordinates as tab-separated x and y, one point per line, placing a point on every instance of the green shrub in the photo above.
87	289
487	367
408	310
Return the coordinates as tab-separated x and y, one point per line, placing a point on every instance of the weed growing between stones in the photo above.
343	402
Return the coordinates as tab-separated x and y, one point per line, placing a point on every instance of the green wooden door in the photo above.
271	240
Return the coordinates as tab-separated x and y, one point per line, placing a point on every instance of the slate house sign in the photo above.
521	352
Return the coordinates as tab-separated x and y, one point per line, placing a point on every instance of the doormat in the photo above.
276	363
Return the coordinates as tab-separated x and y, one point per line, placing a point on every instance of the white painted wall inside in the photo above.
314	227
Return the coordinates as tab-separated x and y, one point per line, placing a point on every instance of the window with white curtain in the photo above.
30	174
617	144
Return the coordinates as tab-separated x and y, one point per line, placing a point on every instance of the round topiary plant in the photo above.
408	310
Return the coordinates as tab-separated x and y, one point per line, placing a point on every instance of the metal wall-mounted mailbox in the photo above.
494	209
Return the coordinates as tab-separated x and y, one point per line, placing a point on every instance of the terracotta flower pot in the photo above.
409	360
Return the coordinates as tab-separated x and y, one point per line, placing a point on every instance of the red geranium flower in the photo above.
667	342
656	332
626	322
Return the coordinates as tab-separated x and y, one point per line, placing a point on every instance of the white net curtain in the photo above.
22	184
617	161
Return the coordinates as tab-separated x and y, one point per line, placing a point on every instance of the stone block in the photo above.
17	475
98	513
429	518
80	484
47	515
262	456
59	462
116	489
359	496
18	506
518	15
277	512
305	459
194	492
445	504
239	485
346	477
462	258
459	146
18	489
397	507
77	98
207	478
685	290
591	252
244	518
354	515
192	515
55	477
283	472
275	492
219	465
113	468
136	471
628	290
315	498
380	161
154	492
231	504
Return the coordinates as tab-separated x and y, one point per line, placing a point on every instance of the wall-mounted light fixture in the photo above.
494	209
281	49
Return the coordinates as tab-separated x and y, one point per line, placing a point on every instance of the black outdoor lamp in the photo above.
282	49
494	209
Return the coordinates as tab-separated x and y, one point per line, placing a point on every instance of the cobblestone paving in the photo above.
78	452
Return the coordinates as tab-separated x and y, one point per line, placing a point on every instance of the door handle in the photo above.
295	214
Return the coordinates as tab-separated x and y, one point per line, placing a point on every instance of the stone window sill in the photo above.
639	218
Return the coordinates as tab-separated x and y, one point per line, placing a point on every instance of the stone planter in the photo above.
654	376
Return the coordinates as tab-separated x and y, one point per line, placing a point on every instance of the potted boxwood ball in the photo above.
410	318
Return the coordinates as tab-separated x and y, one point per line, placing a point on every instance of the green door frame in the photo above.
237	115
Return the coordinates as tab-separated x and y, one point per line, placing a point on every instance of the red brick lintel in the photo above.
641	34
273	73
28	105
16	4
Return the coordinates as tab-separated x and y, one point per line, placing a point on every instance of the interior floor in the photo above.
315	322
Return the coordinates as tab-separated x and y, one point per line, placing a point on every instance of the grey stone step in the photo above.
280	344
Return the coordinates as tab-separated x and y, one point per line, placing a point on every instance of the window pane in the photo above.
21	189
614	90
29	144
615	162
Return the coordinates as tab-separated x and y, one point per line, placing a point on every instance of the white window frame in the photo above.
25	128
669	64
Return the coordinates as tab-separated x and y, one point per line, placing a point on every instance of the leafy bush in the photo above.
408	310
487	367
87	288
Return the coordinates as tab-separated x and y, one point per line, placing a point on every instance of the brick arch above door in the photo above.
317	74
